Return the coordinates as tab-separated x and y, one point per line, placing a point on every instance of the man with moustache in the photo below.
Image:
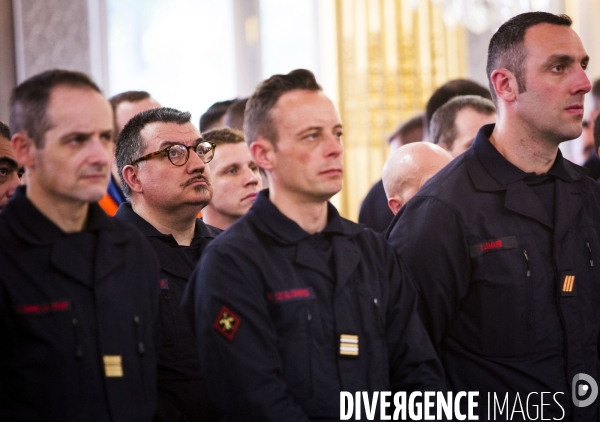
162	162
78	289
504	242
10	172
234	176
293	303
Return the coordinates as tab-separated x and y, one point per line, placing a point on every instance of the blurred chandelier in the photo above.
479	16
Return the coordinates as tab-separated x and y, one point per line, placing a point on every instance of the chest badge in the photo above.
568	285
113	366
349	345
227	323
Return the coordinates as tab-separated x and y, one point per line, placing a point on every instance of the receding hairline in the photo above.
301	92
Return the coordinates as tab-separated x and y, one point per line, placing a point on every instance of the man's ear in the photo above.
24	148
130	174
395	204
505	84
263	152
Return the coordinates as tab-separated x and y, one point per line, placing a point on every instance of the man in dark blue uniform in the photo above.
504	242
293	303
162	160
78	290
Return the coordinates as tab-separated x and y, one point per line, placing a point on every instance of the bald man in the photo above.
408	168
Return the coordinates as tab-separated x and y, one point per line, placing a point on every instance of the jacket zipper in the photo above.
310	346
529	292
378	312
78	348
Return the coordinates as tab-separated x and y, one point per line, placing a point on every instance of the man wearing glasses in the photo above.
293	303
162	162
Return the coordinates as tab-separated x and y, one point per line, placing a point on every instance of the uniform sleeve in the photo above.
414	364
428	239
237	342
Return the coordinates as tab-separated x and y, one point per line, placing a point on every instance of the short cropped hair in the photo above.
234	117
29	101
4	131
443	127
406	128
131	146
449	90
224	136
125	97
507	46
214	113
258	120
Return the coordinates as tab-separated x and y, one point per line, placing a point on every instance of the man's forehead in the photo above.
78	106
548	39
228	154
126	109
6	149
162	132
305	108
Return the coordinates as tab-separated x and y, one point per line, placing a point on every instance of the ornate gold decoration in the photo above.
392	54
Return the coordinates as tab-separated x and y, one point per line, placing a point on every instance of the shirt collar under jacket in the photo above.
36	228
504	171
272	221
201	231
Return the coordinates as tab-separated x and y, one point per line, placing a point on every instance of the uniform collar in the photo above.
503	172
127	214
272	221
36	228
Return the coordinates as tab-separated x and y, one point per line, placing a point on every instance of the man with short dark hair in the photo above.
455	124
234	117
10	173
505	240
77	289
374	211
162	161
125	105
445	93
235	178
293	303
214	116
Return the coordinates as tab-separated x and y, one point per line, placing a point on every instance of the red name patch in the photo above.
42	308
488	246
289	295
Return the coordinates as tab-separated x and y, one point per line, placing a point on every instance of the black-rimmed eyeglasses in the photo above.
179	154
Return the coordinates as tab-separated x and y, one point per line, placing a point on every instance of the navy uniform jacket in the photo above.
374	211
181	390
509	296
270	316
77	319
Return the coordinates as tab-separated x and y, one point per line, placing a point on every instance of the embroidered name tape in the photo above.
478	249
227	323
291	295
349	345
43	308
